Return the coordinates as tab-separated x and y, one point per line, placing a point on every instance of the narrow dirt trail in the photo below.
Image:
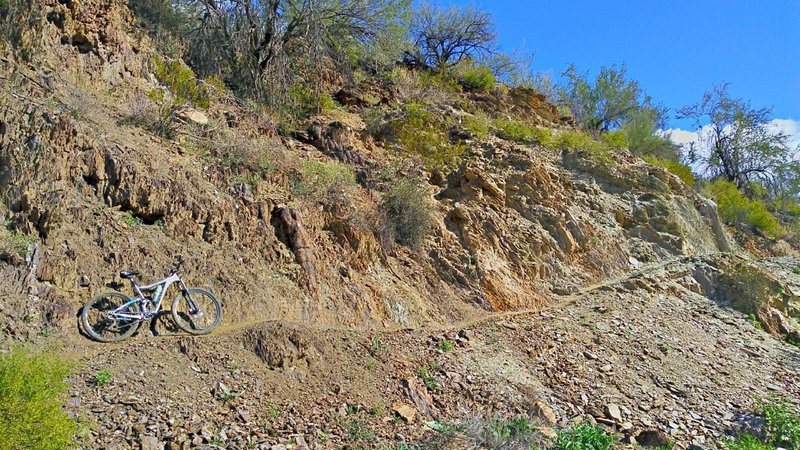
89	349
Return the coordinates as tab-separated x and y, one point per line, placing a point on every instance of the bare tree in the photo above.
254	42
443	37
736	141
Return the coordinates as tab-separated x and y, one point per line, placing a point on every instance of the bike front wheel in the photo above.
101	325
196	311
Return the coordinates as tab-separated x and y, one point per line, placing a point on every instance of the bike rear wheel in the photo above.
100	326
196	311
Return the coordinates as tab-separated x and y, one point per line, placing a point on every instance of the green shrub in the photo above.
419	133
182	83
32	392
517	131
783	422
478	78
746	442
408	210
309	101
614	139
584	437
318	178
575	140
683	171
734	206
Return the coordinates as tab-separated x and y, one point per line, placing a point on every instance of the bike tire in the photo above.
113	300
190	322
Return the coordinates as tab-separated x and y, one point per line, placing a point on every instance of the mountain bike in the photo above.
113	316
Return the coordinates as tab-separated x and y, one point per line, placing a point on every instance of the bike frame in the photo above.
122	313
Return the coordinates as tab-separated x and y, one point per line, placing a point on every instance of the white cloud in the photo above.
790	127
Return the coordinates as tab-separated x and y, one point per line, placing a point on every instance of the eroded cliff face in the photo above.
514	225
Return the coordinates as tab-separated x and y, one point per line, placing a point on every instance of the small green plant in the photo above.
132	220
445	345
102	377
377	409
734	206
225	394
584	437
376	343
234	370
273	412
508	429
428	379
357	430
372	364
32	393
745	442
683	171
796	270
756	323
783	422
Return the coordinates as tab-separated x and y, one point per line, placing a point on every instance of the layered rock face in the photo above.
514	224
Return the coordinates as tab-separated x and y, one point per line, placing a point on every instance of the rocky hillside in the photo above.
567	286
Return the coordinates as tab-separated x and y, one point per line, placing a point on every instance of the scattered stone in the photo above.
406	412
653	438
547	432
612	412
545	412
150	443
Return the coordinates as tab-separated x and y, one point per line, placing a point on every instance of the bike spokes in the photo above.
110	317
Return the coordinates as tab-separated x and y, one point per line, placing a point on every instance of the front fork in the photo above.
193	309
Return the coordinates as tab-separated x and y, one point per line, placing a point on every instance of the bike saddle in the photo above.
128	274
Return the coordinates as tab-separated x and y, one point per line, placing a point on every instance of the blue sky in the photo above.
676	49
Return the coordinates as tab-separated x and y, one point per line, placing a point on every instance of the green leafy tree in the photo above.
737	143
645	138
608	101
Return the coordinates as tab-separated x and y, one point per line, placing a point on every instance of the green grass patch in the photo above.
477	125
584	437
317	178
517	131
16	241
746	442
581	141
683	171
734	206
32	394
